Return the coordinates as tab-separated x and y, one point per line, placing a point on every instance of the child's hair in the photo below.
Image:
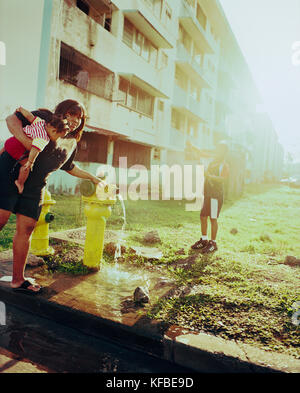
59	123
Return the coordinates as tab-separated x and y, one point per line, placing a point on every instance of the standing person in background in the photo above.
215	176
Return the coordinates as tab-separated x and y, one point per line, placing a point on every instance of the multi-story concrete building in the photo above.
162	80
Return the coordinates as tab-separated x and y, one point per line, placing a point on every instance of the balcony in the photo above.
101	47
191	67
191	24
142	84
141	15
112	119
188	105
176	140
93	40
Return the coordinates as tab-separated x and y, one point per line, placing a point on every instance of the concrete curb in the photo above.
198	352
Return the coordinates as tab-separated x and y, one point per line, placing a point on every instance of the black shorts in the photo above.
212	206
10	199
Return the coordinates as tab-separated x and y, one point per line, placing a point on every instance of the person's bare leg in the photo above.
203	225
214	228
4	216
21	244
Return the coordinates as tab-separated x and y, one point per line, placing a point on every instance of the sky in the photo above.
266	31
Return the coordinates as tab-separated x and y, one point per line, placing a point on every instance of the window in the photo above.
139	43
184	38
107	23
123	88
136	154
132	97
83	6
176	120
167	20
192	129
92	148
156	153
146	49
79	70
181	79
144	103
153	55
135	98
128	33
201	16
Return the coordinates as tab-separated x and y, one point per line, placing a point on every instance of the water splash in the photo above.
118	252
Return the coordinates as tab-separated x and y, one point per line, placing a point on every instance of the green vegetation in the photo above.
68	258
244	291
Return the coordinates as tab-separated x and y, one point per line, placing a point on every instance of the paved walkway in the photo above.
101	304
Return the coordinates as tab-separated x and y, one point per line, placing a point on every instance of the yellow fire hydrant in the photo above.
40	237
98	203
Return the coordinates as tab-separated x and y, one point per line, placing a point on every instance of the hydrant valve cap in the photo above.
49	217
87	188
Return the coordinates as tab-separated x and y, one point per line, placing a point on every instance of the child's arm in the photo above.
28	115
34	152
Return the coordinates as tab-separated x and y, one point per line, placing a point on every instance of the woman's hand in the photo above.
96	180
77	172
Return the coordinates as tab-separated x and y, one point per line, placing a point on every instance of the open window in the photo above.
84	73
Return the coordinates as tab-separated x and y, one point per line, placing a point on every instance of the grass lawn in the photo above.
244	291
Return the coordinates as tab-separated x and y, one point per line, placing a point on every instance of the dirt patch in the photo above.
69	254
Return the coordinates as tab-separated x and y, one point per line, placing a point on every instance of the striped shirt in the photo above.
37	132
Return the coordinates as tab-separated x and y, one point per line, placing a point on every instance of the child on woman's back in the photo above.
41	132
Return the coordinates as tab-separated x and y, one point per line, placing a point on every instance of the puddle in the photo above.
115	284
109	293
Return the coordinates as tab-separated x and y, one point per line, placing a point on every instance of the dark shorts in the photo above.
10	199
211	206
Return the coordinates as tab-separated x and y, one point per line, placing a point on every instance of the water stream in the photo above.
122	235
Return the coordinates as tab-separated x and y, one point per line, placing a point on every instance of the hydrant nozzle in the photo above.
40	237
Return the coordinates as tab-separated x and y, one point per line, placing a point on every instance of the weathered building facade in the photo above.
162	81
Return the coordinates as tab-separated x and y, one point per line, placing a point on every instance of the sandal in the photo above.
24	288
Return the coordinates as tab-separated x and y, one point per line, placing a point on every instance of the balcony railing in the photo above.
158	10
188	104
156	26
197	28
192	67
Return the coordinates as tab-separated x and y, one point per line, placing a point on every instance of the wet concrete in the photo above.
101	305
30	344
